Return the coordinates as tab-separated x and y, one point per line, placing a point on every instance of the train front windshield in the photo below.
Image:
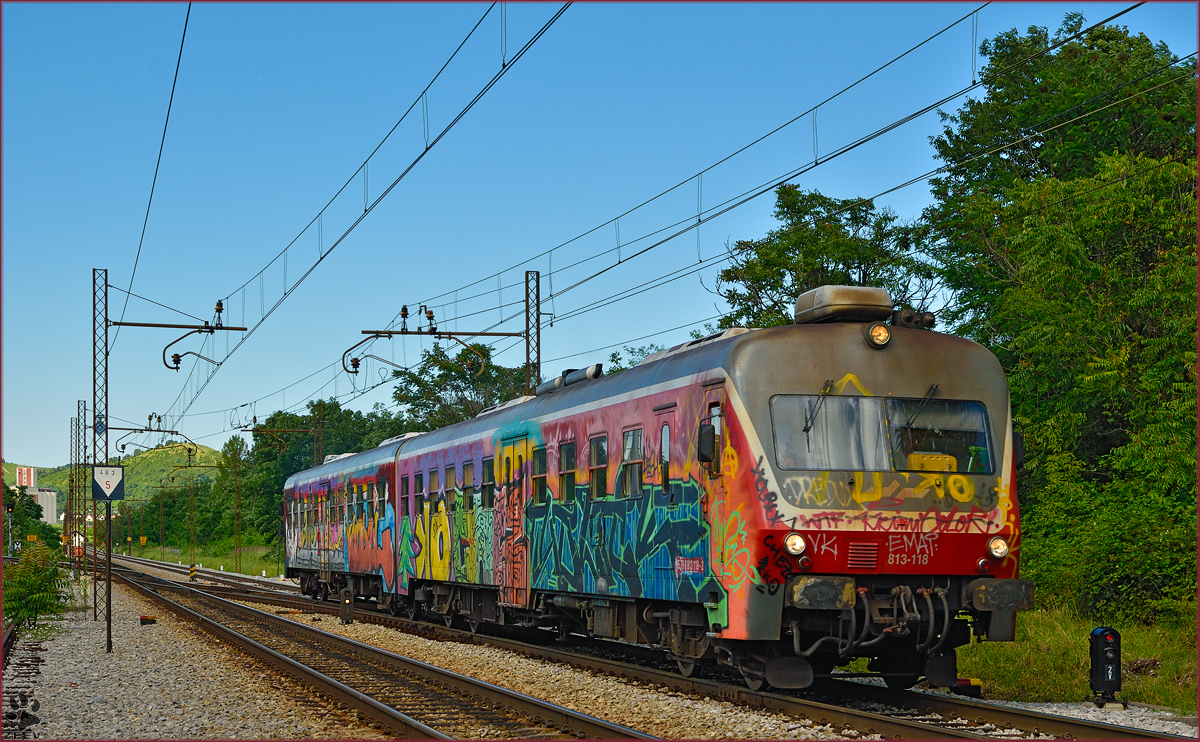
830	433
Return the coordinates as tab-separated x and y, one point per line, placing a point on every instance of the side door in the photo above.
714	504
323	541
510	523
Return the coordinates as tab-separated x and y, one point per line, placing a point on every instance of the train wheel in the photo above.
689	667
755	683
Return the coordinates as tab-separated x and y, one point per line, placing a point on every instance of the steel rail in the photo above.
377	712
983	712
980	712
10	641
233	579
822	713
493	696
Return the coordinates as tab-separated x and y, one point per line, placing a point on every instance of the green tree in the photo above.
821	240
1094	319
633	356
276	456
27	518
1154	116
445	389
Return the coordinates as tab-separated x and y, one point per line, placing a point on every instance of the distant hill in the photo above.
143	471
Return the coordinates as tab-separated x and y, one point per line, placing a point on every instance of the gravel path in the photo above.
168	680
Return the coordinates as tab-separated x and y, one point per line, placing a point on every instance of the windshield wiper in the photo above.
809	420
924	400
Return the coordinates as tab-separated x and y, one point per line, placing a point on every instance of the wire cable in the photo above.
491	83
699	174
975	84
154	182
164	306
674	275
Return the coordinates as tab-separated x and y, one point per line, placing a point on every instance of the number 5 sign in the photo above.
108	483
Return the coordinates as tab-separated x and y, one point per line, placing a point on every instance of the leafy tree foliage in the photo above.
633	356
36	586
445	389
1097	330
27	518
276	456
1072	256
821	240
1154	116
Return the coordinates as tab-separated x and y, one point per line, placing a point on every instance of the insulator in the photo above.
404	312
220	308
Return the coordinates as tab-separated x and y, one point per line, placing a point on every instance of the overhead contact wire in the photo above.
154	181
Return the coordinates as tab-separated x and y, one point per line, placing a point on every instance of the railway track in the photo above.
913	715
400	695
22	665
232	579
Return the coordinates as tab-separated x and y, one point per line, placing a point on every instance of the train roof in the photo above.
333	466
727	354
705	357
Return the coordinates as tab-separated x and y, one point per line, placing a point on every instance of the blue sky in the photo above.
277	105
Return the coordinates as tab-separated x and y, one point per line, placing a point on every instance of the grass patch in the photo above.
1049	661
255	559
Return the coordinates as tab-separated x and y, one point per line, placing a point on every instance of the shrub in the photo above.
35	587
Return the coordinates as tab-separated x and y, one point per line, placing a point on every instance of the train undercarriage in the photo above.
907	626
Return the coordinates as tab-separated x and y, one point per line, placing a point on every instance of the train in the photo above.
781	501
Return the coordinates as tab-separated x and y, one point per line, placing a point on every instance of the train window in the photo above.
630	482
519	481
418	483
566	471
369	496
540	493
664	456
488	494
715	417
598	467
403	496
468	485
829	433
433	482
938	435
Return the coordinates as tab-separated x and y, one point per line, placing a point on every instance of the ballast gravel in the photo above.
1136	716
642	706
169	680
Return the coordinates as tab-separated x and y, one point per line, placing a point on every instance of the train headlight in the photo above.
794	543
877	334
997	547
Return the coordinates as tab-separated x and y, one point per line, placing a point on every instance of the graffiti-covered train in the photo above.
779	500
